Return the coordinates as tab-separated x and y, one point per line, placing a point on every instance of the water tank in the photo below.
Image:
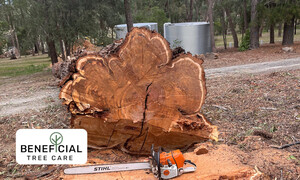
194	37
121	29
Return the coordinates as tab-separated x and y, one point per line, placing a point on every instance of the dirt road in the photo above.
274	66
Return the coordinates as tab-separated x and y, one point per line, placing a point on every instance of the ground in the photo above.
252	111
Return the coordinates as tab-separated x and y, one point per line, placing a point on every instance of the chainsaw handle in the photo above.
189	162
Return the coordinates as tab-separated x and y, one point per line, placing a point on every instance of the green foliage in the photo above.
3	38
218	27
176	43
244	46
154	14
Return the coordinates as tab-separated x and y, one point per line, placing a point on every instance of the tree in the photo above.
245	16
7	7
153	14
291	11
211	24
189	10
254	29
232	28
288	32
128	16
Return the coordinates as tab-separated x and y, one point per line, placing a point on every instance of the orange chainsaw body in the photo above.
176	157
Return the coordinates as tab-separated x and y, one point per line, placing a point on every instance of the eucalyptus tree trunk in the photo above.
295	26
52	50
272	34
14	37
245	15
254	30
128	16
211	24
232	28
43	46
61	43
288	32
224	30
190	16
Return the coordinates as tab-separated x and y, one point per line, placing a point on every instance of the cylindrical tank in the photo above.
121	29
194	37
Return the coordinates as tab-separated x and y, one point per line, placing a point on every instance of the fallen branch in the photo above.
285	146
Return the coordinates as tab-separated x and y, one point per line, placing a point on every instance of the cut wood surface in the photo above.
138	95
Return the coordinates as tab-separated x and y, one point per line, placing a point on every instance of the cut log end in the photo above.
139	94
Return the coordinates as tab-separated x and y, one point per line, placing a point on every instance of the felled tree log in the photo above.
139	95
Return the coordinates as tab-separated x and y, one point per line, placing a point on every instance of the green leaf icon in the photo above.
56	138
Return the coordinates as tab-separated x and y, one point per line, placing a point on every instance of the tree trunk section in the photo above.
43	47
245	15
52	51
190	17
288	32
279	29
138	94
295	27
261	28
224	29
37	47
211	24
254	30
272	34
17	43
62	49
128	16
232	28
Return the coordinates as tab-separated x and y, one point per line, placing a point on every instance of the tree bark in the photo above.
224	29
128	16
197	12
211	24
190	17
272	41
261	28
288	32
254	30
232	28
43	47
68	48
295	27
33	51
279	29
13	36
245	15
61	43
37	47
52	51
123	98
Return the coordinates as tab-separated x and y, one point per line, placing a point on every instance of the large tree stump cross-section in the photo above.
139	95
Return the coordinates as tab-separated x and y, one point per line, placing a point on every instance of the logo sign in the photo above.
51	146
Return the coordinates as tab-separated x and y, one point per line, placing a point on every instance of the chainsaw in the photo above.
164	165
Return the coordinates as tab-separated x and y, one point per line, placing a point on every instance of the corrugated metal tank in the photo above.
121	29
194	37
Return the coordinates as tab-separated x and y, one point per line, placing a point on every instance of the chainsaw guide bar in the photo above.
105	168
163	165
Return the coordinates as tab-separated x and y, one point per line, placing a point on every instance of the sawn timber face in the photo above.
139	95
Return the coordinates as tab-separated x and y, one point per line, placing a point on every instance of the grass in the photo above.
265	38
23	66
